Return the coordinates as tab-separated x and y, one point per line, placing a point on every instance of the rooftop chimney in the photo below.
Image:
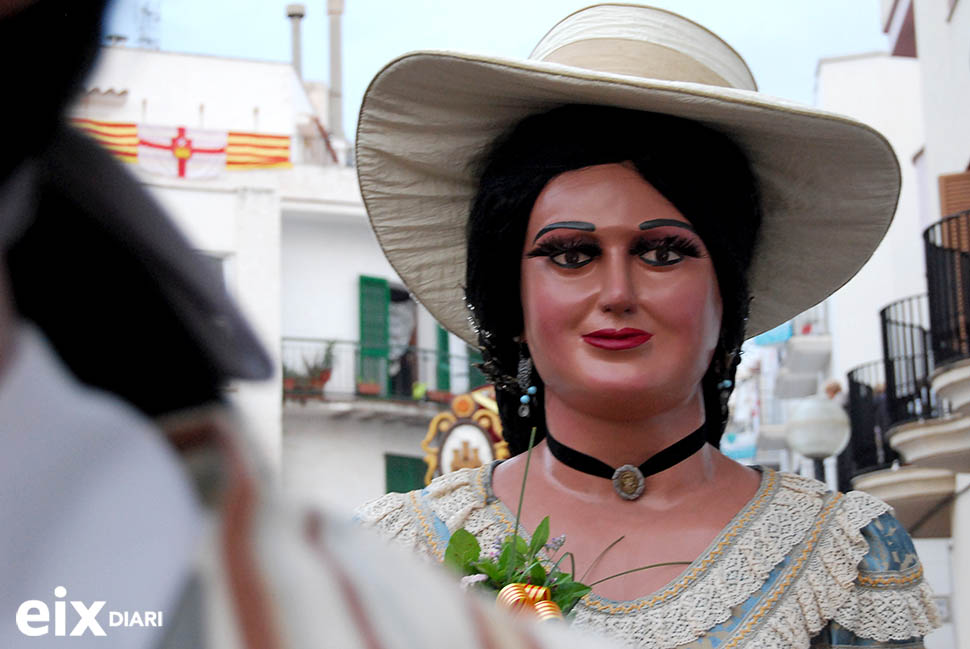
295	13
335	8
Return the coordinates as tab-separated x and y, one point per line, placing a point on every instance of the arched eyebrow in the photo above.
567	225
659	223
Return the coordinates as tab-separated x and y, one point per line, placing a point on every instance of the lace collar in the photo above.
791	520
721	544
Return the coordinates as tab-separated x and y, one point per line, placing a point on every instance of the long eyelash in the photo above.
681	245
552	246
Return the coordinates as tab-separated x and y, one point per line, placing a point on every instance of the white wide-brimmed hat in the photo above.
828	184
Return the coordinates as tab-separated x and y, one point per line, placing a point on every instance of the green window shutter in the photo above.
404	473
443	364
475	377
375	299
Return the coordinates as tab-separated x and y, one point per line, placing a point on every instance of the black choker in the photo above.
628	479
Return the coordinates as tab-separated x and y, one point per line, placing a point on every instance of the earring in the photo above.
724	386
524	379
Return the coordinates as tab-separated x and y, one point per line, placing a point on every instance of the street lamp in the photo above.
818	428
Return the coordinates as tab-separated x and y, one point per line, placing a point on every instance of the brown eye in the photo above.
661	256
571	259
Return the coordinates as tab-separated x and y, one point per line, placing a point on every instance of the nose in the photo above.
617	292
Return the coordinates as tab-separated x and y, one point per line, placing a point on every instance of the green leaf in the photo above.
506	558
539	537
566	595
537	574
462	551
490	568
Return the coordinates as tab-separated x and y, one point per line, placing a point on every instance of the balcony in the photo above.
805	354
894	392
870	421
344	378
896	414
922	498
947	245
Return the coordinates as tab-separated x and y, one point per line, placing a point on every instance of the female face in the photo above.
619	295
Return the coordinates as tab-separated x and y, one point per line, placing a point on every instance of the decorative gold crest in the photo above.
467	436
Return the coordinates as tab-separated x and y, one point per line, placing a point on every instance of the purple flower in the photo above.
470	580
494	551
554	544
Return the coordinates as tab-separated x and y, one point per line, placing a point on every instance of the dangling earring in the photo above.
724	386
524	379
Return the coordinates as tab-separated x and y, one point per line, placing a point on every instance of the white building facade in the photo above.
293	244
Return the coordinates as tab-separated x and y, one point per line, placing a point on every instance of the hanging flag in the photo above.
187	152
119	138
257	151
182	152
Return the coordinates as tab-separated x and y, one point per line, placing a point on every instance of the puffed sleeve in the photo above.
392	517
890	603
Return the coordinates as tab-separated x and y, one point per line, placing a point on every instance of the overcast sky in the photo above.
782	40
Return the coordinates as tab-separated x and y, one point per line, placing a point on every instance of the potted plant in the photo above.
367	387
290	378
319	368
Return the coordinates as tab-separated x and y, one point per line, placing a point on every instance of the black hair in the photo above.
699	170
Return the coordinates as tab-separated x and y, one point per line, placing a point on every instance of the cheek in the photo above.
551	303
691	308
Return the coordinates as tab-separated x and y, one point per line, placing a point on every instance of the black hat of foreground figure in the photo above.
828	184
92	260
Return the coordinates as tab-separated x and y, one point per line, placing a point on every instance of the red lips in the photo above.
625	338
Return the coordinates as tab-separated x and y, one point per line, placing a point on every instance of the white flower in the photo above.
470	580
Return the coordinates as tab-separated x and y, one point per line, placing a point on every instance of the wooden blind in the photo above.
955	198
954	193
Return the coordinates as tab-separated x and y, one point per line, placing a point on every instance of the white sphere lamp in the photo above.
818	428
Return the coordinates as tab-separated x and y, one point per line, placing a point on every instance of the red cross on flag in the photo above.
182	152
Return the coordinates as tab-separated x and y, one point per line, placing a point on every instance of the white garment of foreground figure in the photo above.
94	500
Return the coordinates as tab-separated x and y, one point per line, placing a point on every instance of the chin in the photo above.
638	395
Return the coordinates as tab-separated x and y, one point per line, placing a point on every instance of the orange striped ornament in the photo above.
529	599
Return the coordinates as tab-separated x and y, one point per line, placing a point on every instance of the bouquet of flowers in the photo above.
524	580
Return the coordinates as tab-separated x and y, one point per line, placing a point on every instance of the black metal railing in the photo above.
334	369
869	421
947	245
908	357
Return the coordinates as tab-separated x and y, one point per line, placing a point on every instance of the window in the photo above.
375	298
475	377
443	364
403	473
954	193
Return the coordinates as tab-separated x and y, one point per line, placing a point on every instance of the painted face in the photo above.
619	295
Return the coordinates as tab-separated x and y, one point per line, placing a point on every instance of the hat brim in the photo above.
828	184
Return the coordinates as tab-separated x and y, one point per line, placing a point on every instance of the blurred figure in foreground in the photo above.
134	512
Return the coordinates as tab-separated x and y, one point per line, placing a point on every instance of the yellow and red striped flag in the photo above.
121	139
257	151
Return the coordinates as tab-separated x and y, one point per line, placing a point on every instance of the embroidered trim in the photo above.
793	573
726	538
897	580
418	510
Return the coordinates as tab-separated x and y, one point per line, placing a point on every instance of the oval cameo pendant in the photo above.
628	482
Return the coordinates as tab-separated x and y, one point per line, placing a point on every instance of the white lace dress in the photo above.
797	567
